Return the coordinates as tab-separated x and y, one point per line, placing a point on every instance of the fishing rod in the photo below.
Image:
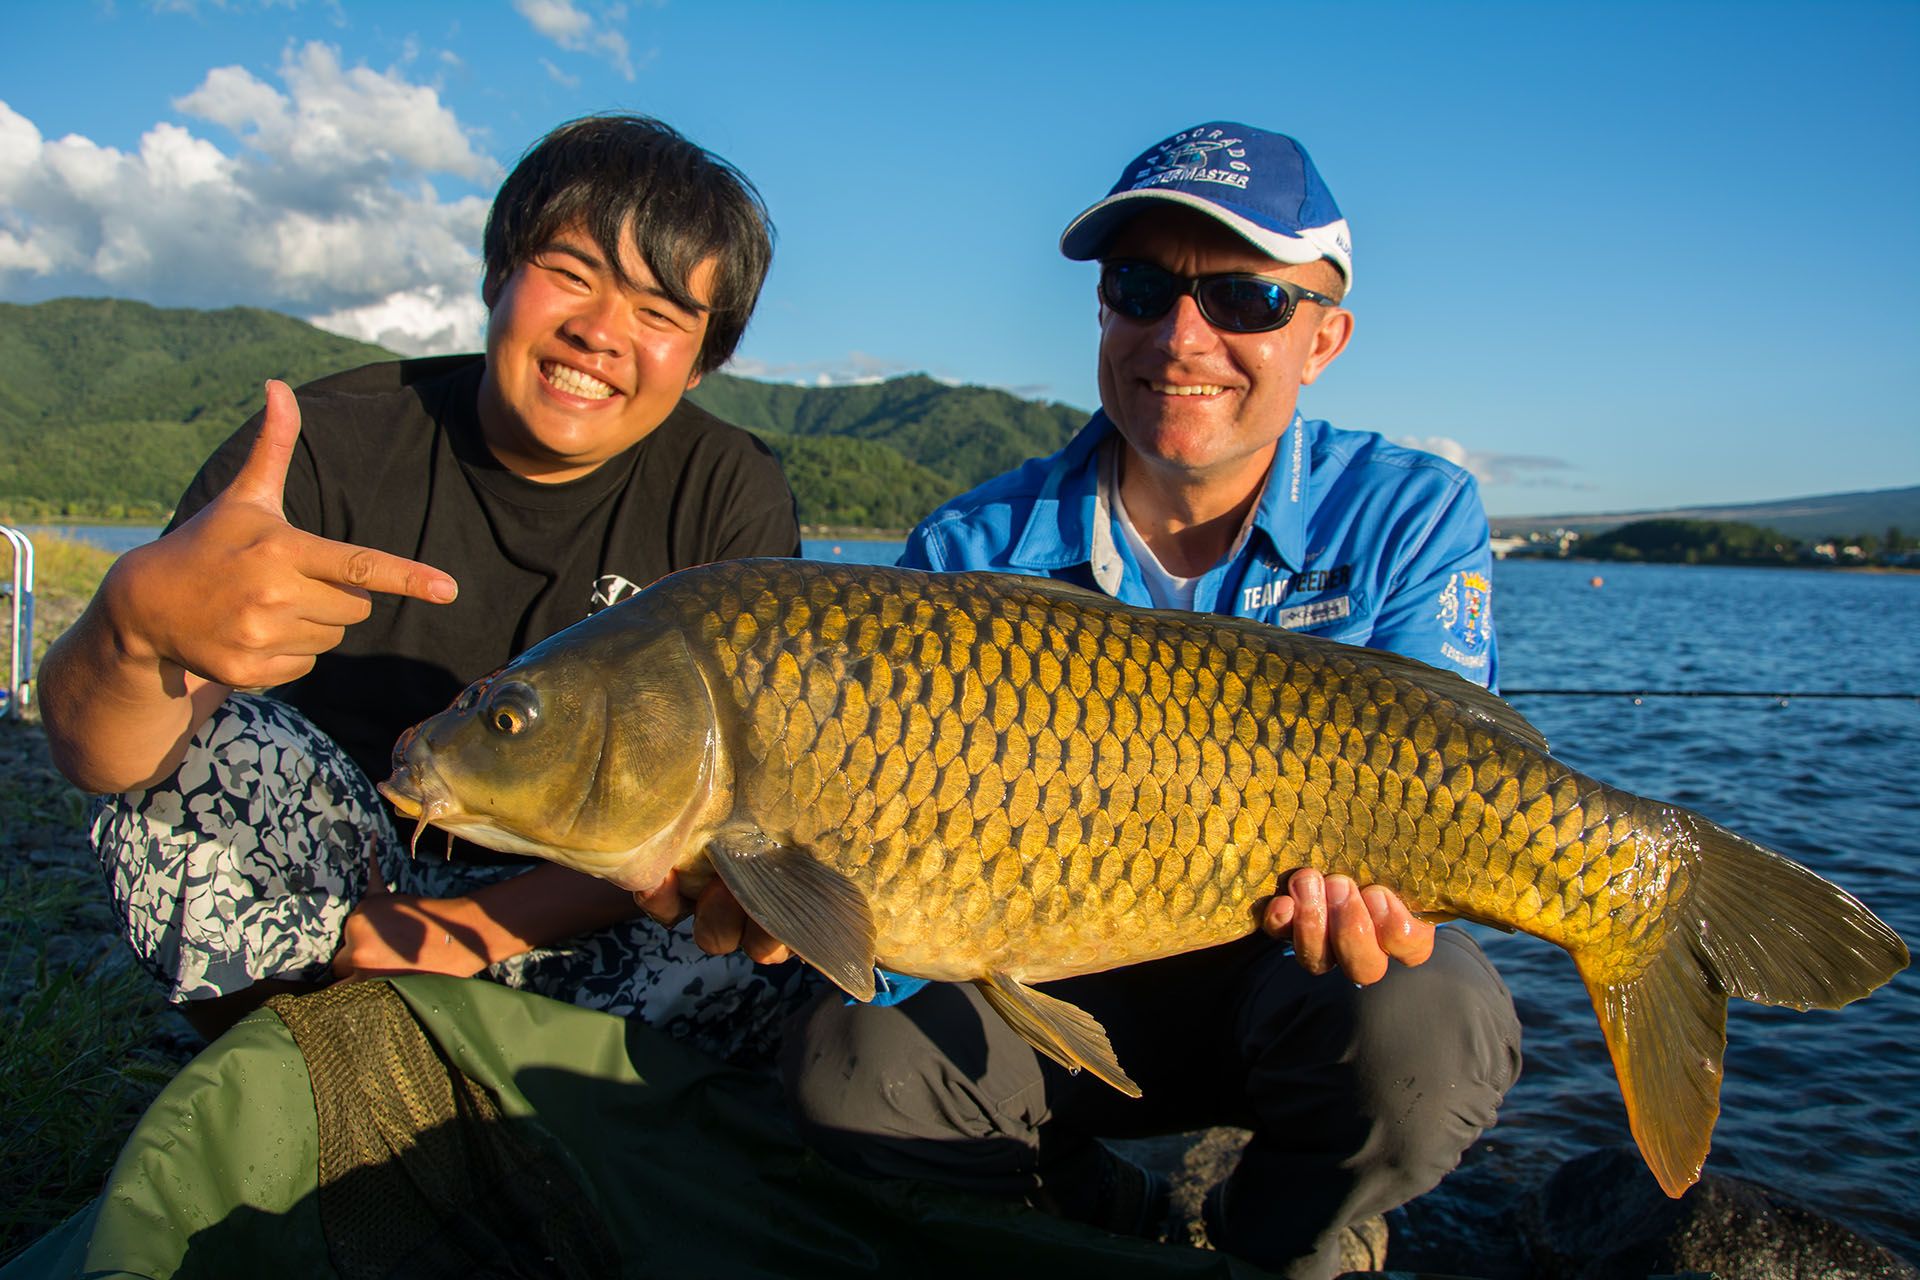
1783	695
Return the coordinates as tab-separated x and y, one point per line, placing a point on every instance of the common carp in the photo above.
1003	780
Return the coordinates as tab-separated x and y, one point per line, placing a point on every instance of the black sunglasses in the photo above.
1236	301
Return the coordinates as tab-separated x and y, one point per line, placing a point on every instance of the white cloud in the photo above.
325	206
19	255
572	28
859	369
191	8
423	321
557	20
558	76
335	119
1441	446
1496	468
855	369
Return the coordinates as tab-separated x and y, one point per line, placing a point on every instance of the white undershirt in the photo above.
1166	590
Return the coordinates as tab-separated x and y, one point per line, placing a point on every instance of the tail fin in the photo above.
1751	924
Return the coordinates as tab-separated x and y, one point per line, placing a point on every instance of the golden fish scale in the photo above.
1010	773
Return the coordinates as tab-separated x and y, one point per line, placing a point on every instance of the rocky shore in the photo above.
43	833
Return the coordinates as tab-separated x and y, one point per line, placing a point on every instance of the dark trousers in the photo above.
1359	1098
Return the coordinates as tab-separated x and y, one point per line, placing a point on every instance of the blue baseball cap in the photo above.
1261	185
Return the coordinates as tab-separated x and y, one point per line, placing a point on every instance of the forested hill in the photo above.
961	434
108	406
105	359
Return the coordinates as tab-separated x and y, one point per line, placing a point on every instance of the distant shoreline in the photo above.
857	544
1728	564
134	522
853	533
856	533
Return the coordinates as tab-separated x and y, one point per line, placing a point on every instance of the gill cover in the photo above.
594	742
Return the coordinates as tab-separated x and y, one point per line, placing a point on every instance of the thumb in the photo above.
263	479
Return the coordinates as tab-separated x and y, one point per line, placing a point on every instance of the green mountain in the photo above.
108	406
856	484
1810	518
962	435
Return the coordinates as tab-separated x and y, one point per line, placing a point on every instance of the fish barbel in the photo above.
1002	780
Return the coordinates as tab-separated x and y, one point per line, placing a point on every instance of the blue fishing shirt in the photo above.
1355	539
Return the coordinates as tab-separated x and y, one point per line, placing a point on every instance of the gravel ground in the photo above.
43	814
43	829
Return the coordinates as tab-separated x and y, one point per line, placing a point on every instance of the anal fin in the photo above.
807	905
1069	1035
1444	917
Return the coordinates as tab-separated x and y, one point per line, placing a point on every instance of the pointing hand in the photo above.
240	597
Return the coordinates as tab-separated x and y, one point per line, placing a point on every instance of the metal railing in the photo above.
16	680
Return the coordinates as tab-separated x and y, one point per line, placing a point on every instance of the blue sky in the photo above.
1611	256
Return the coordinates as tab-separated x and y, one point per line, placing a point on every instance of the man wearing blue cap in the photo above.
1199	485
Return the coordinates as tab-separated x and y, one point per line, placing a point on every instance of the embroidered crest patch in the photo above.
1465	608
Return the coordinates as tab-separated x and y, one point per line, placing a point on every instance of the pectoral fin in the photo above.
1068	1035
809	906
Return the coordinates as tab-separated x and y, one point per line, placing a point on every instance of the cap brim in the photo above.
1087	234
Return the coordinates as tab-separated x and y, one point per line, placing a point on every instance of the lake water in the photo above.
1820	1105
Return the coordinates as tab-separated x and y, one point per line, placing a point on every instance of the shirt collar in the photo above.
1282	513
1059	529
1063	527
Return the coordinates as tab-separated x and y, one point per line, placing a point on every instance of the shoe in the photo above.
1104	1189
1212	1206
1363	1244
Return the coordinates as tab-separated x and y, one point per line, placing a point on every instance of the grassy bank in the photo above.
85	1043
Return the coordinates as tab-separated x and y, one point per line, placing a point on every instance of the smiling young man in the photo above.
584	360
401	530
1199	485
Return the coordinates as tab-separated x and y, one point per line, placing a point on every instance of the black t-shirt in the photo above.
391	457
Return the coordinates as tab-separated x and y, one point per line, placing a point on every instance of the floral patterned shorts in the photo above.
245	864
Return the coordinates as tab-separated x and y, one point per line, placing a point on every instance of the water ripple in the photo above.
1816	1104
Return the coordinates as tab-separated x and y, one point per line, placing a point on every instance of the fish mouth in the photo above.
402	799
416	791
419	798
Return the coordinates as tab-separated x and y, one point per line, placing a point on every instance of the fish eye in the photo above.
512	708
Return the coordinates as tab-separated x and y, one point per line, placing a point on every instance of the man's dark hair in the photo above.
631	179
